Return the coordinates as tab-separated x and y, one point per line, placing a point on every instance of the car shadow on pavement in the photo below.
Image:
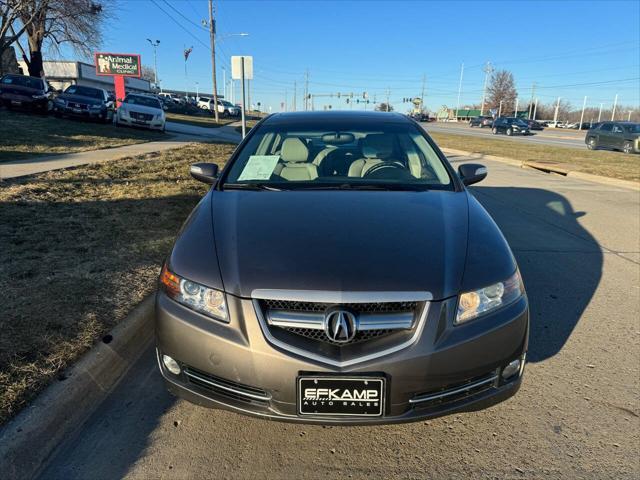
560	261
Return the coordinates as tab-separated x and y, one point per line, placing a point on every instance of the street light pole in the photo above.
488	69
212	35
584	104
615	104
155	60
459	90
600	112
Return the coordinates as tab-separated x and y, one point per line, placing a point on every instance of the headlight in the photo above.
205	300
474	304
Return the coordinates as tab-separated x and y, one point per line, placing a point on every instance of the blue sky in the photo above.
570	49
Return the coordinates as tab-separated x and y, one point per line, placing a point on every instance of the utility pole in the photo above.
533	91
212	35
500	109
155	60
488	70
535	109
306	89
459	90
615	104
424	79
555	115
515	112
294	95
600	112
584	104
629	117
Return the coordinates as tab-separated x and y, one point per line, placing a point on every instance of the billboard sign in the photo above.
123	64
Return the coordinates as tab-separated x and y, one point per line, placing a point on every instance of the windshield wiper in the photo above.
250	186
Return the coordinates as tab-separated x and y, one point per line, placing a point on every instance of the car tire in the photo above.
627	147
509	132
592	144
470	125
494	130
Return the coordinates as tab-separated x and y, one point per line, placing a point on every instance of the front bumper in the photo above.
22	101
131	122
78	112
233	366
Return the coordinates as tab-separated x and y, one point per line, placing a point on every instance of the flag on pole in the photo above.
187	52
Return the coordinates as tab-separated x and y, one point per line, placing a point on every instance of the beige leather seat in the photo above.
295	161
376	148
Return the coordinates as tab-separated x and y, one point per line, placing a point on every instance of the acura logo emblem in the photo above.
340	325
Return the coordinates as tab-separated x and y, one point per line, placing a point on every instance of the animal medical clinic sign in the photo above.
118	66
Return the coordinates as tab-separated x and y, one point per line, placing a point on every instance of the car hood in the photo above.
79	99
341	240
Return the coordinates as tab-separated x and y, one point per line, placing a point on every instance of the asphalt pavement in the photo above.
548	136
576	415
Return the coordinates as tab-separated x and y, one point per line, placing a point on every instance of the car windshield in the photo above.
144	101
84	91
633	128
29	82
381	155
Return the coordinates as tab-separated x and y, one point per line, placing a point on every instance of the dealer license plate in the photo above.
341	396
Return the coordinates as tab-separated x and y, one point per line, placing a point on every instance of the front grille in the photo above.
306	319
377	307
141	116
81	106
319	335
227	388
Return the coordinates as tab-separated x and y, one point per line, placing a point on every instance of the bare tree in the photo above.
74	22
502	88
384	107
12	11
148	73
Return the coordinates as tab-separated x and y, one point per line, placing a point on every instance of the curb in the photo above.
29	440
545	167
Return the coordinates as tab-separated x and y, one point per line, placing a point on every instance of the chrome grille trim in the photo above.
315	321
237	391
448	393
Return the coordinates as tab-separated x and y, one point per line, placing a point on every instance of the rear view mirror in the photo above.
204	172
471	173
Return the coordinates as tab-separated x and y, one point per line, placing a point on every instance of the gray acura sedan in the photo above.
338	271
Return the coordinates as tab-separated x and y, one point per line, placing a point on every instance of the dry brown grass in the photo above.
78	250
599	162
25	136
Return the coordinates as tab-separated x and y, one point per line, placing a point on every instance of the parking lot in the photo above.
576	415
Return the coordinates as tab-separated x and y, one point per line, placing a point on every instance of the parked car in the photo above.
510	126
378	290
225	108
623	136
21	91
85	102
169	97
534	124
141	111
481	121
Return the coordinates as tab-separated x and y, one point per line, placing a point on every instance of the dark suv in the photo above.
510	126
21	91
339	271
482	121
623	136
85	102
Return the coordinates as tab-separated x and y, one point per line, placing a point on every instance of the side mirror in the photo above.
471	173
204	172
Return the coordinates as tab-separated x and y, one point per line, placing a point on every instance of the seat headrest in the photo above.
377	145
294	150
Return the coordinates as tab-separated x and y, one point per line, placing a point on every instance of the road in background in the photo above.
548	136
576	415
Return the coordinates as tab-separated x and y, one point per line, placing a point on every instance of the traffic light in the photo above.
347	100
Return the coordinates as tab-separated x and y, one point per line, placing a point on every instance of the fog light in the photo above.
172	365
511	369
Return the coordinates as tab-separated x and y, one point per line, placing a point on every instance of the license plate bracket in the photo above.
358	396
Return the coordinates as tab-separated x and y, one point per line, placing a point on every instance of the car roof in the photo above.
336	116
